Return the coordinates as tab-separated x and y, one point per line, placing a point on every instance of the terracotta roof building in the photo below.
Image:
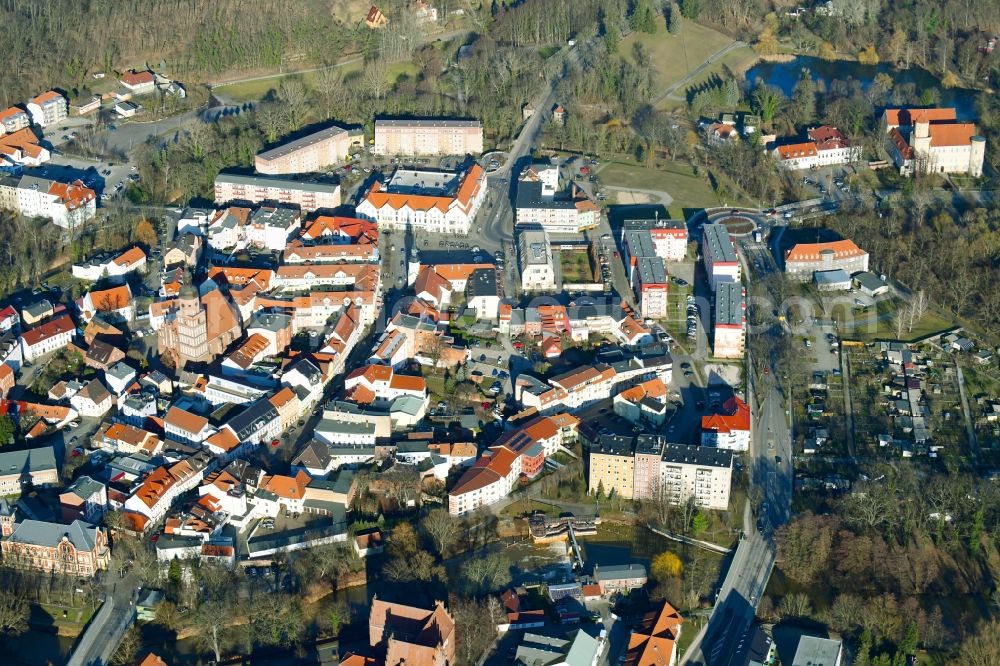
933	141
804	259
409	635
654	642
434	201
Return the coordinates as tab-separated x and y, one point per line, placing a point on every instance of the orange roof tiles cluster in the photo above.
654	643
906	117
734	416
814	251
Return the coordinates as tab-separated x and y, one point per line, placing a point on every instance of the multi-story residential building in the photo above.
273	190
184	426
13	119
482	293
489	480
535	260
618	578
378	385
202	328
669	238
719	255
646	468
113	266
86	499
34	466
312	152
826	146
48	337
933	141
48	108
611	465
643	403
132	439
78	549
157	492
649	279
434	201
270	228
730	327
556	214
68	205
93	400
729	427
428	137
114	303
20	148
804	259
701	472
588	384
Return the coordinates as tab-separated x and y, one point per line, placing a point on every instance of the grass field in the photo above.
676	55
576	267
736	61
248	91
676	179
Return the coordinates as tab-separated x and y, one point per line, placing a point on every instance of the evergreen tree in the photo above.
690	8
674	20
732	94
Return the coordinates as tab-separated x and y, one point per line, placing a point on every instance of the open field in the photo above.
736	61
576	267
676	179
676	55
249	91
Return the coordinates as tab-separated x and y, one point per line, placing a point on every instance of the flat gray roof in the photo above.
304	142
729	303
716	237
276	182
704	456
651	270
815	651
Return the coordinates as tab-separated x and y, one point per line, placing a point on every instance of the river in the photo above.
784	75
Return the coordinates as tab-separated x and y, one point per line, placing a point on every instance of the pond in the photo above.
784	75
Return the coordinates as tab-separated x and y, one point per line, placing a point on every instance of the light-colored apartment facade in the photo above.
730	330
696	471
330	146
535	260
719	255
269	189
428	137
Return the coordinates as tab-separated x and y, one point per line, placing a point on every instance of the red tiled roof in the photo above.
49	329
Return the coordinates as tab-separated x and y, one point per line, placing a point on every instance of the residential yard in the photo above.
674	56
576	267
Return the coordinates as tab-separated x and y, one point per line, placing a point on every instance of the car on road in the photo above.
606	237
685	365
77	452
777	460
688	373
788	215
519	346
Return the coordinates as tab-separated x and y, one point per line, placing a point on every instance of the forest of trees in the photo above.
887	566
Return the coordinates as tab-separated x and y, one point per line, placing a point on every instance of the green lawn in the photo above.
675	178
676	55
736	61
258	89
575	267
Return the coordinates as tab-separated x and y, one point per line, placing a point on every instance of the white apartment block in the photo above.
48	108
699	472
68	205
428	137
535	260
433	201
313	152
730	328
273	190
719	255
